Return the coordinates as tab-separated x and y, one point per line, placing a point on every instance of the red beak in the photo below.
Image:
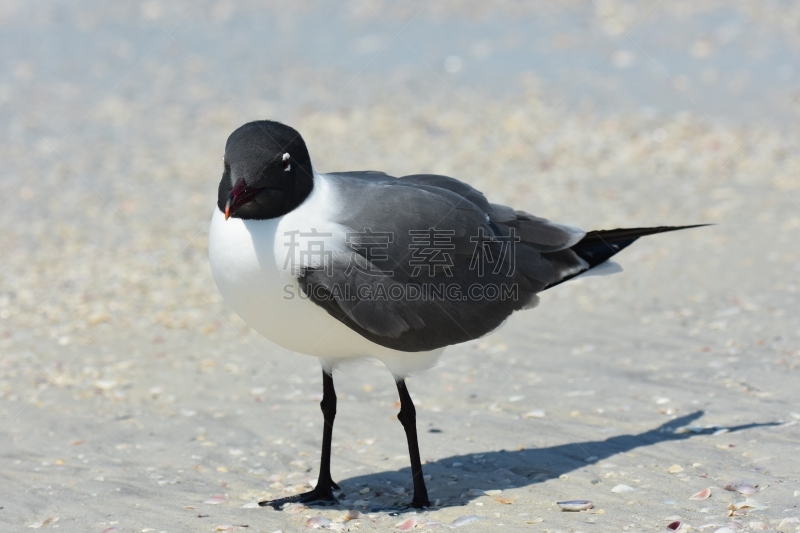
239	195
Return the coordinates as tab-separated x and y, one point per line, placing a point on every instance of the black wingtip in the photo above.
599	246
616	235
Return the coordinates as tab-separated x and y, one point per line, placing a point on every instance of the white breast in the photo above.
254	263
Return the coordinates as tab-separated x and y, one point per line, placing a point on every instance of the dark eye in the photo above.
286	162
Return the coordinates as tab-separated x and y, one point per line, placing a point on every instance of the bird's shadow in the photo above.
453	477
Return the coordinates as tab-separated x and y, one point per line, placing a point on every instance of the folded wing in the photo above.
445	267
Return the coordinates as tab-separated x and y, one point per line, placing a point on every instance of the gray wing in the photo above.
425	255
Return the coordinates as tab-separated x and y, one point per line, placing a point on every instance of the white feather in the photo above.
255	265
603	269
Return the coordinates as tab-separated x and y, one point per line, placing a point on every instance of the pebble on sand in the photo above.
216	499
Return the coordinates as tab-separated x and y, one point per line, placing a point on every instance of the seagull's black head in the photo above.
267	171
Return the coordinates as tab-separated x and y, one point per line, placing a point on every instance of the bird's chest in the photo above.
255	264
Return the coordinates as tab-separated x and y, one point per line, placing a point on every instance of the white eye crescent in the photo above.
287	166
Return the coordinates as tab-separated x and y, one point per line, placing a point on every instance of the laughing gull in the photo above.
351	265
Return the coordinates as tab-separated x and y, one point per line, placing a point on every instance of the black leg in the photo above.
328	406
408	417
323	492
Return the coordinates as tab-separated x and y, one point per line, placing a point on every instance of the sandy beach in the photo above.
132	399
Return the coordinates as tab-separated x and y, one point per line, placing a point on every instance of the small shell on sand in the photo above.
354	514
702	495
536	413
216	499
317	522
480	492
748	503
46	521
742	486
410	523
575	505
788	523
622	488
464	520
